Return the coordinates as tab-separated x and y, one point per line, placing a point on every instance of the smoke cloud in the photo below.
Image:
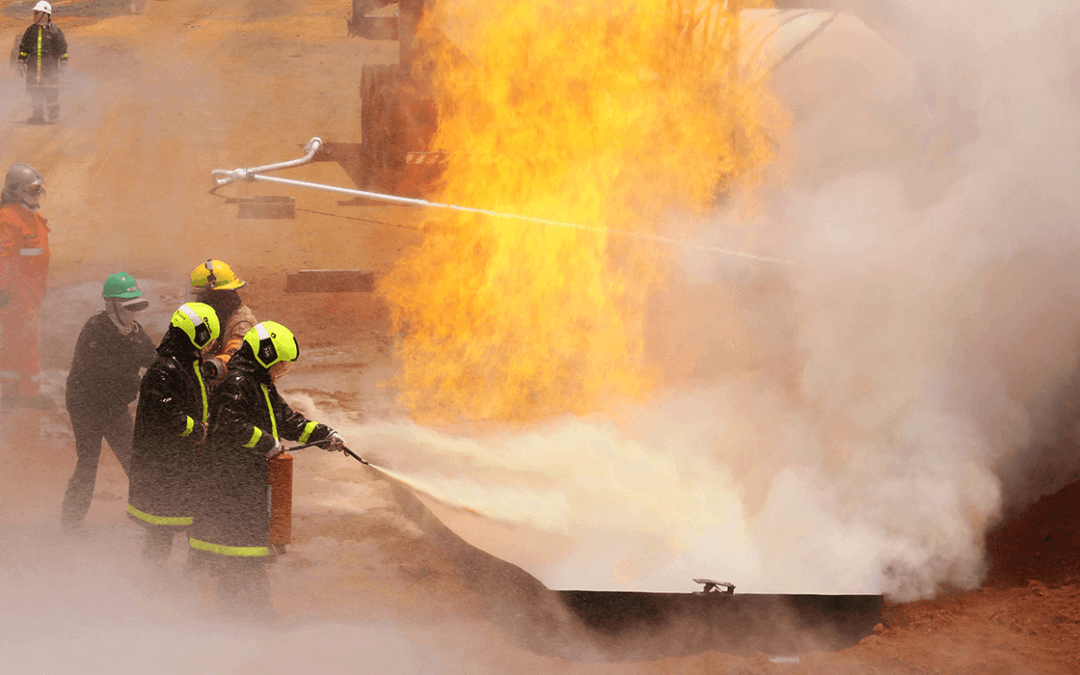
857	421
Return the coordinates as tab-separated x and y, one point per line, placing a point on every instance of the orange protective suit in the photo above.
24	267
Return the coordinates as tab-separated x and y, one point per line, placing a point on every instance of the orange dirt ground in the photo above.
157	100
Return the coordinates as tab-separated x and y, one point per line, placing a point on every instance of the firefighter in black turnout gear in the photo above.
247	419
103	380
170	425
43	56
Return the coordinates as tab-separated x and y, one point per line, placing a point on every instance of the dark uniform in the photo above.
103	380
232	507
170	424
42	49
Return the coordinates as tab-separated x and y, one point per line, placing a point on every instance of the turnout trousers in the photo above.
44	96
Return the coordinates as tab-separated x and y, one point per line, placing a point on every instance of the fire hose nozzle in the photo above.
222	177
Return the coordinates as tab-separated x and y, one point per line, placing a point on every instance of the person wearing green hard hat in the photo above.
103	381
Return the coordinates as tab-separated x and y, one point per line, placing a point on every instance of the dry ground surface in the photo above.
154	102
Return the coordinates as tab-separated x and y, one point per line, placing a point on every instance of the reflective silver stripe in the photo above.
191	314
12	375
31	251
263	333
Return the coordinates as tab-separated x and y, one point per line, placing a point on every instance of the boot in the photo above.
54	114
37	118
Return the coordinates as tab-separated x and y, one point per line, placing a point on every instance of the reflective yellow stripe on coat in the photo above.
242	551
202	390
158	520
308	428
273	420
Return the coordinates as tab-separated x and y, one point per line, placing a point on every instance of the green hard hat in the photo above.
121	285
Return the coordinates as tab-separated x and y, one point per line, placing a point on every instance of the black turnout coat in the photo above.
246	415
42	48
169	425
104	373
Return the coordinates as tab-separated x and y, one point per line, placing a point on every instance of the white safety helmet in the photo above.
43	7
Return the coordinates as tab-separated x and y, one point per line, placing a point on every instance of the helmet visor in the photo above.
135	304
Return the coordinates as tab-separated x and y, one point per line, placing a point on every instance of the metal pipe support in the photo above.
222	177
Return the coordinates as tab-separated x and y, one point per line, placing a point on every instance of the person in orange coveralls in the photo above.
24	266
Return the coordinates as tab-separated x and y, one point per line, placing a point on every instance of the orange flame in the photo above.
607	114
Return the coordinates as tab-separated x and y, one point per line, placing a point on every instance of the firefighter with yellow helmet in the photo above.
170	425
248	417
214	283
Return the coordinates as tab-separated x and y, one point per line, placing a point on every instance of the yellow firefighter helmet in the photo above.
214	275
198	321
272	343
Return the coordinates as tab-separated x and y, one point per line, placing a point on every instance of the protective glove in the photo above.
198	432
5	298
208	370
336	444
22	69
276	450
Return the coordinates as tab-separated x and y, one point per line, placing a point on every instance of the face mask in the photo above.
122	312
32	195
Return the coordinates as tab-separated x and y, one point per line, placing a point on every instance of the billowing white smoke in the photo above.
856	423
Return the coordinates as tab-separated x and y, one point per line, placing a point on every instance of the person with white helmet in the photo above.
43	55
215	284
24	267
103	381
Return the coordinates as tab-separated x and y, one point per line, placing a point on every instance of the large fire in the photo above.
608	114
